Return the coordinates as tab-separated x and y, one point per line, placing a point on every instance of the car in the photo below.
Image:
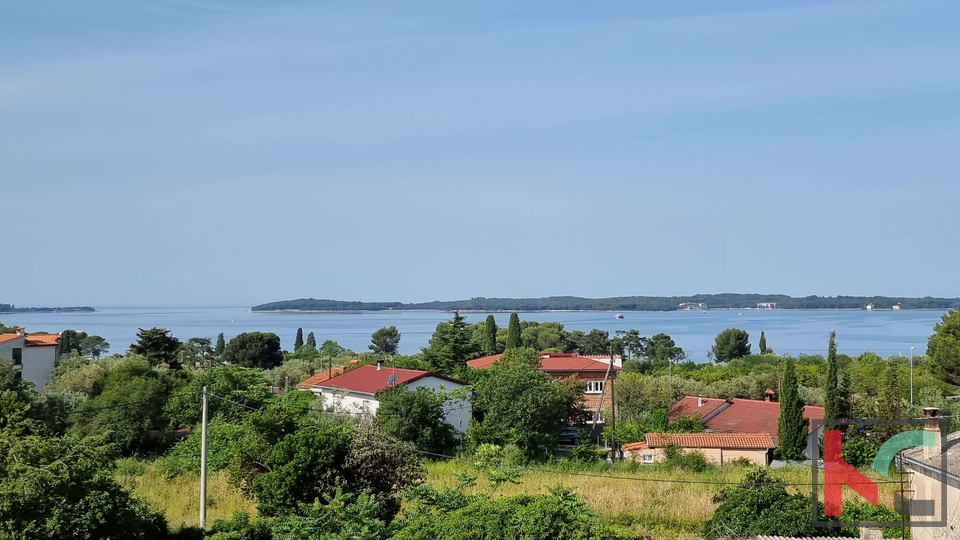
569	436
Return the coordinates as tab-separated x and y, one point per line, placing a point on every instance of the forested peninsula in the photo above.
10	308
625	303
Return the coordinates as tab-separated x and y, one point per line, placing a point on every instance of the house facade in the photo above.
717	448
354	391
33	355
595	373
929	481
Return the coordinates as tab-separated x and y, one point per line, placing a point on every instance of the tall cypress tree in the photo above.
762	343
513	332
297	343
831	400
490	336
221	345
792	426
312	340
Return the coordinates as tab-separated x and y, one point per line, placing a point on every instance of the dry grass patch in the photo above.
179	498
645	501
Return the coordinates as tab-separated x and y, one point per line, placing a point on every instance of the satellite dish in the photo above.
392	379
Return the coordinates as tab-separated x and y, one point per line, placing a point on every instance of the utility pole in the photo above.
614	447
911	375
203	462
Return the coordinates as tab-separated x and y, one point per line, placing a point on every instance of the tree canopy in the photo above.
158	345
254	349
729	344
386	340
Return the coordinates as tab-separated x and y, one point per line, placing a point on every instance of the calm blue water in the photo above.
787	331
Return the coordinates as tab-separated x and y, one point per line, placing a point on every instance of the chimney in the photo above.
379	364
931	417
21	330
700	401
768	394
871	533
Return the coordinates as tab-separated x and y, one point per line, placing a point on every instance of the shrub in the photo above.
693	461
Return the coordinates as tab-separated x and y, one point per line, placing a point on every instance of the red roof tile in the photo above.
635	446
691	405
550	362
484	362
711	440
738	415
40	340
9	337
370	380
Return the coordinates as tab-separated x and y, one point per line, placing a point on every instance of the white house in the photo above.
34	356
355	391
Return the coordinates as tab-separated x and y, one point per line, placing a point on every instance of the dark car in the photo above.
569	436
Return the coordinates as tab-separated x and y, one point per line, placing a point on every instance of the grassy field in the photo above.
643	501
178	498
646	502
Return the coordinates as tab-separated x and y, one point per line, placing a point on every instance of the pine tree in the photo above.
221	345
450	346
831	409
792	426
762	343
297	343
490	336
312	340
513	332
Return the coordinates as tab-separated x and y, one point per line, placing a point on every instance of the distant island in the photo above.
10	308
625	303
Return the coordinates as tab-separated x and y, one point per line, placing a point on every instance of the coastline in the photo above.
359	311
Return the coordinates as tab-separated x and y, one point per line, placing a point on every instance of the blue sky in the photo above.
228	152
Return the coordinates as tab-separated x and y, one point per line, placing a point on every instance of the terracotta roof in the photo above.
9	337
635	446
711	440
370	380
572	362
738	415
550	362
484	362
40	340
319	377
691	405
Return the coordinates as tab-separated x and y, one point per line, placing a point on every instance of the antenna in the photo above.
392	380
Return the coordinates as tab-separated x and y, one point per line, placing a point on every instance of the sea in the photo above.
886	333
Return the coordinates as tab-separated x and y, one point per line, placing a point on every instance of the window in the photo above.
648	458
17	356
594	387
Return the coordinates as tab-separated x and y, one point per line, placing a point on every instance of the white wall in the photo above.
458	412
7	347
38	363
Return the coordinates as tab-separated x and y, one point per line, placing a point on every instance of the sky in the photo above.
233	152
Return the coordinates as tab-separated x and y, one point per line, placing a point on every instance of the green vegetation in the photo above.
385	340
621	303
731	343
792	427
513	332
10	308
943	348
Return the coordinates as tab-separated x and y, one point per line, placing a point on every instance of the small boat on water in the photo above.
618	316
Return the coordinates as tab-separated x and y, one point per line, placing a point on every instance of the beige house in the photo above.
718	448
929	480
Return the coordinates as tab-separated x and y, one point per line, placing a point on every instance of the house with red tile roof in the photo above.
354	391
33	355
717	448
595	373
737	415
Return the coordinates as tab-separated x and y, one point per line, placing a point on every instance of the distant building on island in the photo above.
692	306
766	305
870	306
897	306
